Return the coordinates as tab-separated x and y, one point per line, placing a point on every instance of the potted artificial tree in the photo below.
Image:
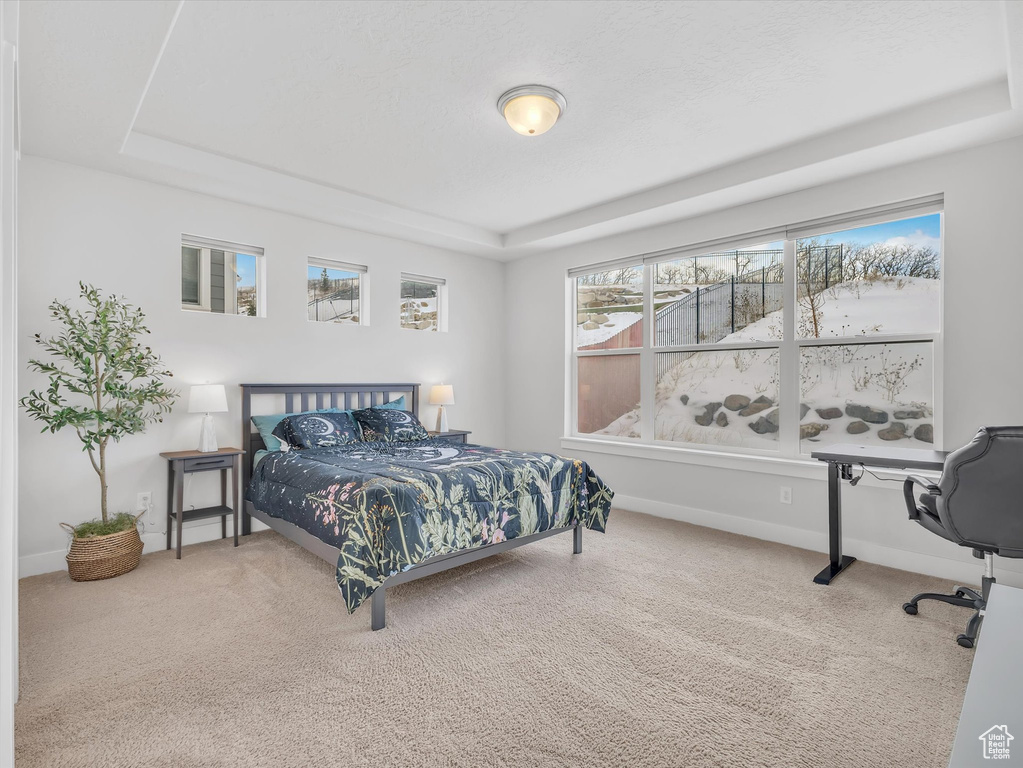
104	385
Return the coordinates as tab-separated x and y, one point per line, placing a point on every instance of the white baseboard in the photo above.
153	541
961	571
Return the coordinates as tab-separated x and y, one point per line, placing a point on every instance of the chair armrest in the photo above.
908	492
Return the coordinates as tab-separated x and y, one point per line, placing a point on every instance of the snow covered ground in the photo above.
880	384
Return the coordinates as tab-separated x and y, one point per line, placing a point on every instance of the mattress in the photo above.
389	506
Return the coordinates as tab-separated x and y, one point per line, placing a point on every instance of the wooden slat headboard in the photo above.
295	398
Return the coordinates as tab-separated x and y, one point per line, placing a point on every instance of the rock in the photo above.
590	326
706	418
582	317
896	431
763	427
867	414
803	410
829	413
722	419
910	414
773	416
684	399
857	428
600	318
754	408
924	433
736	402
808	431
423	304
764	400
609	325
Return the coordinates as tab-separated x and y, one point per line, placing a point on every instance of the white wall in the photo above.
983	370
8	379
123	236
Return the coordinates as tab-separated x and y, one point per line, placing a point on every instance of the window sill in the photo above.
807	468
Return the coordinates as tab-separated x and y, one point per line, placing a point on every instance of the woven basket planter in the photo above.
103	557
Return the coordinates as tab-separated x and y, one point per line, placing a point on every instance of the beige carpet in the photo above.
663	644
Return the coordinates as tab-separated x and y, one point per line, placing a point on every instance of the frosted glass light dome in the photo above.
531	110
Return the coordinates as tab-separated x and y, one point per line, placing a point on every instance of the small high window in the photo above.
221	277
335	291
422	303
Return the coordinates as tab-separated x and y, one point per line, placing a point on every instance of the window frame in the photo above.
206	246
789	347
325	262
442	299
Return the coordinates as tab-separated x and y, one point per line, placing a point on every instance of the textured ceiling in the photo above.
395	101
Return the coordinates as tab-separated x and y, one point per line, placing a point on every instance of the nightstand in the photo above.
181	463
454	435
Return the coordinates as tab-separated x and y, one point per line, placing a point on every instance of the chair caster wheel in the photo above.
960	593
964	641
909	608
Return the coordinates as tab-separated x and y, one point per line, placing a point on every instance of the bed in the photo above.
384	513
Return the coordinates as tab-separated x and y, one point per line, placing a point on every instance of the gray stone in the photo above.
684	399
590	326
857	428
773	416
867	414
763	427
829	413
736	402
910	414
600	318
706	418
764	399
722	419
896	431
924	433
810	431
754	408
803	410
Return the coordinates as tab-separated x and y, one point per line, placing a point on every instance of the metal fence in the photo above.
710	313
340	304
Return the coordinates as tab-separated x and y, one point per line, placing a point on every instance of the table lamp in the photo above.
207	399
442	394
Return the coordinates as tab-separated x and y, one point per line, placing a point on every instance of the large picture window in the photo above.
822	334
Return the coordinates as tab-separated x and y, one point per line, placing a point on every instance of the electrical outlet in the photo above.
144	501
786	495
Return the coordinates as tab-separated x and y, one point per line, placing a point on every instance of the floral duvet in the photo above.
389	506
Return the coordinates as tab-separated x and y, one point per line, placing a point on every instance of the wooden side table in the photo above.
181	463
454	435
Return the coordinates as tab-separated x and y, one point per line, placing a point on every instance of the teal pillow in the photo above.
265	425
396	405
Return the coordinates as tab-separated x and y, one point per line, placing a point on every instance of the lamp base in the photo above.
207	435
442	419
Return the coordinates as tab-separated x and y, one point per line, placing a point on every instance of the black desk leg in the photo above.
839	562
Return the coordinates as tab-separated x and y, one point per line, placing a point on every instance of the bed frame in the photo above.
306	397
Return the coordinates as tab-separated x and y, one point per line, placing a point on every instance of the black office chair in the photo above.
977	503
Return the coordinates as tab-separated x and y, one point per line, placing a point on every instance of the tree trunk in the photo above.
103	478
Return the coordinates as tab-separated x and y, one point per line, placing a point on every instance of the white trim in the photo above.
411	277
343	266
864	217
198	241
154	541
961	571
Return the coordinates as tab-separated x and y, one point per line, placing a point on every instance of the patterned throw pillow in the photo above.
390	426
318	430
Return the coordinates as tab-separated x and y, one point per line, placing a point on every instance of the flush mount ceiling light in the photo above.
531	109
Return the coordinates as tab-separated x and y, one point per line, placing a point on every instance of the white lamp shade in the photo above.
207	398
442	394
